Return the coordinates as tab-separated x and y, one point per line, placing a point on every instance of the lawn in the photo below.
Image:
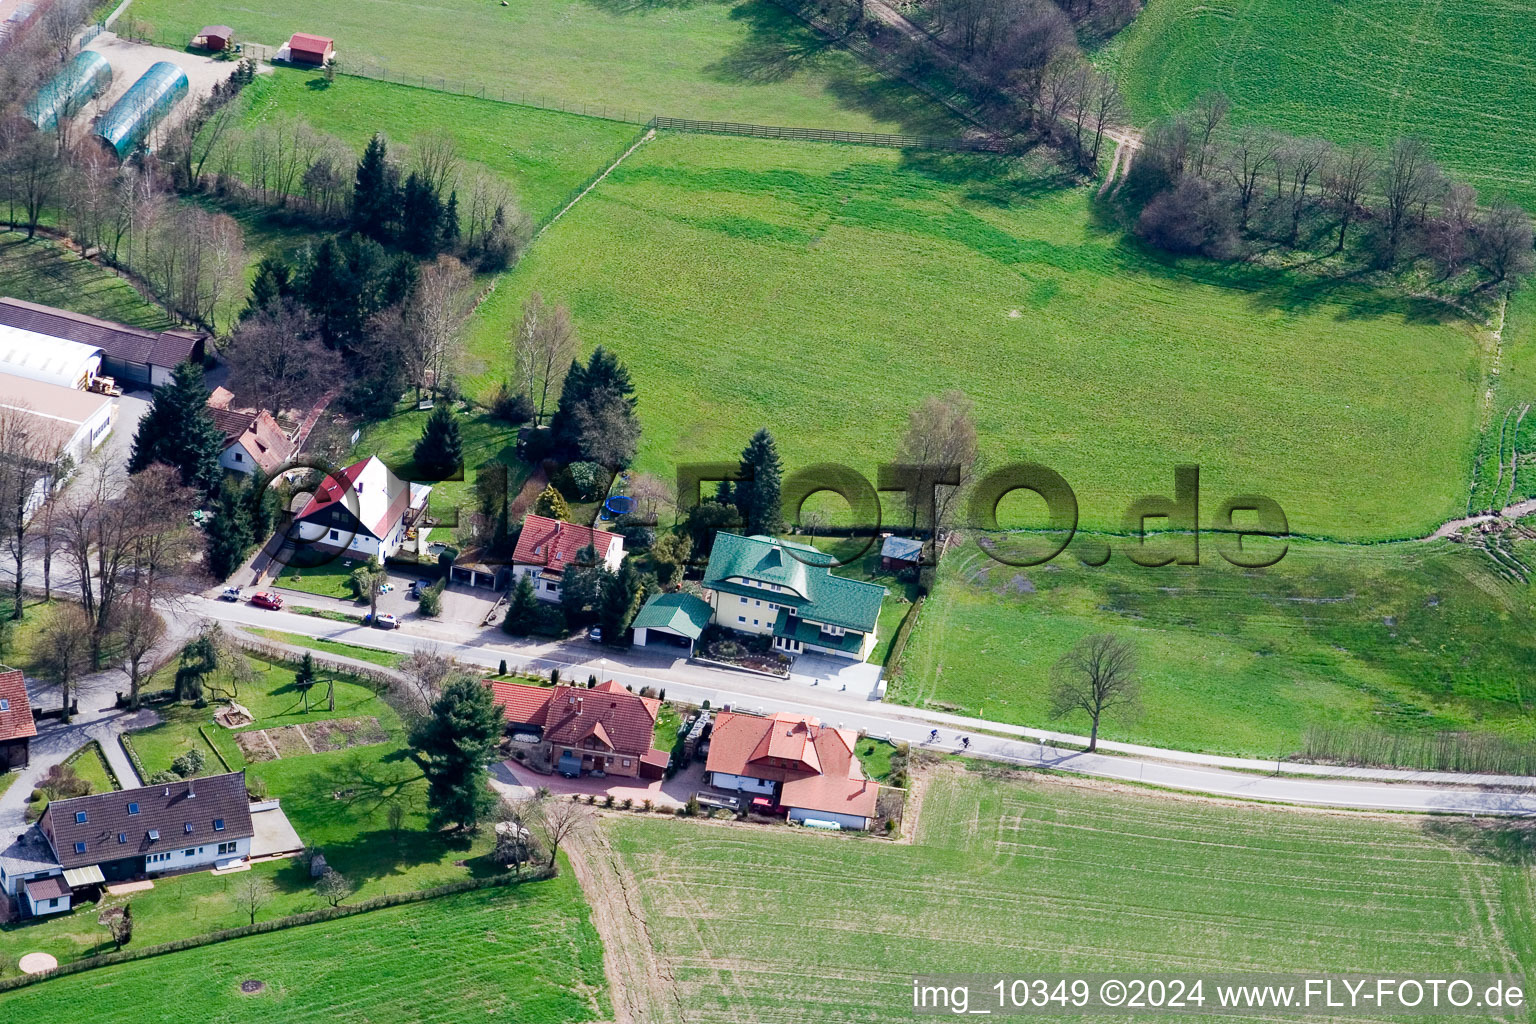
875	757
527	953
668	721
1456	74
542	154
486	441
330	578
1414	637
43	271
385	659
91	765
713	60
1041	876
823	291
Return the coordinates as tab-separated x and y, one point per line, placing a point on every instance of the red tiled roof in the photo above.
258	432
522	704
553	543
784	748
16	715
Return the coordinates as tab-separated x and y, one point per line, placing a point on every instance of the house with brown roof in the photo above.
252	440
16	725
546	546
128	354
152	830
575	730
368	512
794	763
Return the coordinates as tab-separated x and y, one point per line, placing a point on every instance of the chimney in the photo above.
579	701
191	789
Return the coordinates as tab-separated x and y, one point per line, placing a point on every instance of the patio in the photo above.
521	782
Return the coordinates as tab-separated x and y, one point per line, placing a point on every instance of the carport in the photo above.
671	619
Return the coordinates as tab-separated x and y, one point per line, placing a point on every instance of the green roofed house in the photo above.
765	586
677	619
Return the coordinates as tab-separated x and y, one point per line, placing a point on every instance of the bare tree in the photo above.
1246	163
58	24
276	356
434	318
139	630
1097	675
1298	164
543	348
63	649
35	175
557	821
435	158
1345	179
1448	236
1502	243
427	668
1409	181
335	888
28	449
941	431
1107	111
1209	114
254	892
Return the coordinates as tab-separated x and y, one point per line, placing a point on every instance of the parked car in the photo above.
230	594
414	590
386	622
267	599
595	634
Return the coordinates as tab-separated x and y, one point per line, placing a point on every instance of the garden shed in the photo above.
213	37
304	48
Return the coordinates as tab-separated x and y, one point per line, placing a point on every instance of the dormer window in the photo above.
79	817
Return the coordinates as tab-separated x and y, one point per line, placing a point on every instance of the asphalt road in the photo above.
912	725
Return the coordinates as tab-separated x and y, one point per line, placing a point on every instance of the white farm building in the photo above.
47	360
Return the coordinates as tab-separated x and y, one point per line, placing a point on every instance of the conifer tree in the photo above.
178	431
441	448
758	498
551	503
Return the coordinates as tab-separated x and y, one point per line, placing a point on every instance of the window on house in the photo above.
225	848
52	903
154	835
188	853
741	618
335	535
187	828
626	762
218	824
5	704
79	847
133	808
743	600
79	817
759	604
239	456
122	837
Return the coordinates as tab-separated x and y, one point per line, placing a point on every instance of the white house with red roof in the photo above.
546	546
574	729
792	762
368	512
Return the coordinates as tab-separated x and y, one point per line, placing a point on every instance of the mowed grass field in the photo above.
526	954
1412	637
542	154
712	59
40	270
823	291
1045	876
1456	73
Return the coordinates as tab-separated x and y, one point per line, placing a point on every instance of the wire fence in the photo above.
497	93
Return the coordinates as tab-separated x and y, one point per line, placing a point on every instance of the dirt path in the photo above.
641	984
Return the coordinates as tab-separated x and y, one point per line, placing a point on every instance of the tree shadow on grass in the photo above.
622	7
1503	842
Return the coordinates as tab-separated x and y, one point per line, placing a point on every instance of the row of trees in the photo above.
1205	187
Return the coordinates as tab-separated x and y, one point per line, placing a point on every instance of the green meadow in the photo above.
1456	74
711	60
1411	637
824	290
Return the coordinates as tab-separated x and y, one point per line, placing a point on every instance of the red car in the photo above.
266	599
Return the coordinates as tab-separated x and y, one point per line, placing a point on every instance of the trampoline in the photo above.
618	505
